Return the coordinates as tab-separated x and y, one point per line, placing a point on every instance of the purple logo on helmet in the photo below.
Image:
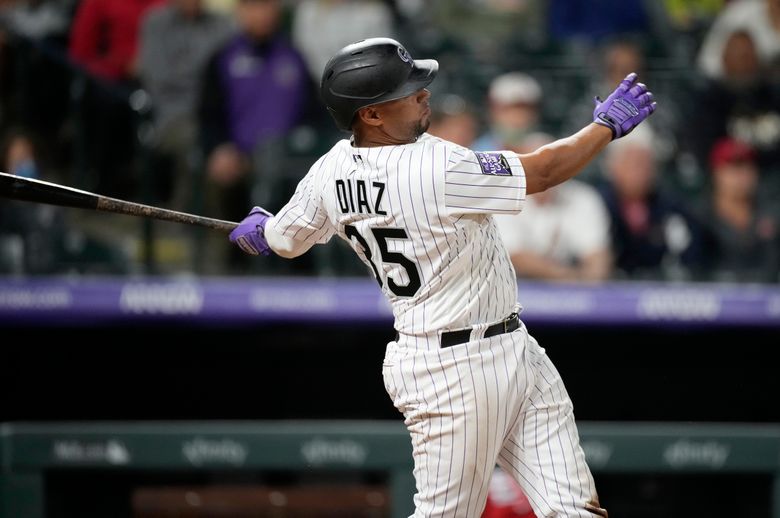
494	163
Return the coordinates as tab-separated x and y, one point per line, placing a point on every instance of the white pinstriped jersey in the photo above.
419	216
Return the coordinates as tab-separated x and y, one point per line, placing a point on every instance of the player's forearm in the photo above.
284	246
561	160
614	117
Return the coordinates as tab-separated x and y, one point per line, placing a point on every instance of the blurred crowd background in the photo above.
211	106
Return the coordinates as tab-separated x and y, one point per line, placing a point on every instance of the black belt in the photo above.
450	338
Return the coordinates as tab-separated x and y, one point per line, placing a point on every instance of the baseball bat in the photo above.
27	189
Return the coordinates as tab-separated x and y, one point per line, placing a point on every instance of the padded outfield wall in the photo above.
261	351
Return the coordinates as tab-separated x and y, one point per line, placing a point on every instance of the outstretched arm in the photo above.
284	246
563	159
613	118
299	225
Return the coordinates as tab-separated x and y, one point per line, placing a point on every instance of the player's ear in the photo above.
370	115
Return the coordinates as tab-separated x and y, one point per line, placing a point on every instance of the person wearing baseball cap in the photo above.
730	151
514	103
743	238
654	235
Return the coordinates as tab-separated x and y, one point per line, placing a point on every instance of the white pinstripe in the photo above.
448	227
469	406
522	420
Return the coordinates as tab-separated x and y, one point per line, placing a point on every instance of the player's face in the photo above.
406	119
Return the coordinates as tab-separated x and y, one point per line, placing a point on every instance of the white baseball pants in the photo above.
492	400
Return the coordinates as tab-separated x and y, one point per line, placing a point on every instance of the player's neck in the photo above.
373	137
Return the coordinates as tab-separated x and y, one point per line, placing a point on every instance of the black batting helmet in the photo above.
370	72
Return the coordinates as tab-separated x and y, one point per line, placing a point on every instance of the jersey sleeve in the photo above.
484	182
304	218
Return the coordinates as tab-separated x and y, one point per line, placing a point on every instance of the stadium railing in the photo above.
27	451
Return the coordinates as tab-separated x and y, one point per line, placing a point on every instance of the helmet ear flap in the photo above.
336	117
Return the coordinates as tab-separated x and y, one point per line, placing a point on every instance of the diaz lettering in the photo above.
353	196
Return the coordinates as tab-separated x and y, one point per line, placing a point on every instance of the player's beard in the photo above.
421	126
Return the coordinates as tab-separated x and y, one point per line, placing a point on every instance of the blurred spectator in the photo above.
19	155
34	238
177	40
741	104
562	234
596	19
506	498
452	119
104	37
21	223
652	234
689	15
514	101
760	19
37	84
36	19
322	27
617	59
256	88
484	29
104	40
744	239
221	6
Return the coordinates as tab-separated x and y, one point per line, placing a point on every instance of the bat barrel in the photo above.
26	189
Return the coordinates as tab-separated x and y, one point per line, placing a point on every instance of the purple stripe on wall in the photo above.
264	300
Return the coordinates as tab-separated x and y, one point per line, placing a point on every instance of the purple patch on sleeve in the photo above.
494	163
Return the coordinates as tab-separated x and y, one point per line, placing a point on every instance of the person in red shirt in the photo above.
104	41
104	36
506	498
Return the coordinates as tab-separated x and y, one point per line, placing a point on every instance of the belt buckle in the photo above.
508	321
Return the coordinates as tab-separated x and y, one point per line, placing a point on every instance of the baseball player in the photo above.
474	387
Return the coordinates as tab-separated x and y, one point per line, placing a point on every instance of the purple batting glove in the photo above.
249	235
625	108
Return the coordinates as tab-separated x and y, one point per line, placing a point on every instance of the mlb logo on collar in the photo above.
493	163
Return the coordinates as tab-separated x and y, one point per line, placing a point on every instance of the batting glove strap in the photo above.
249	235
625	108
